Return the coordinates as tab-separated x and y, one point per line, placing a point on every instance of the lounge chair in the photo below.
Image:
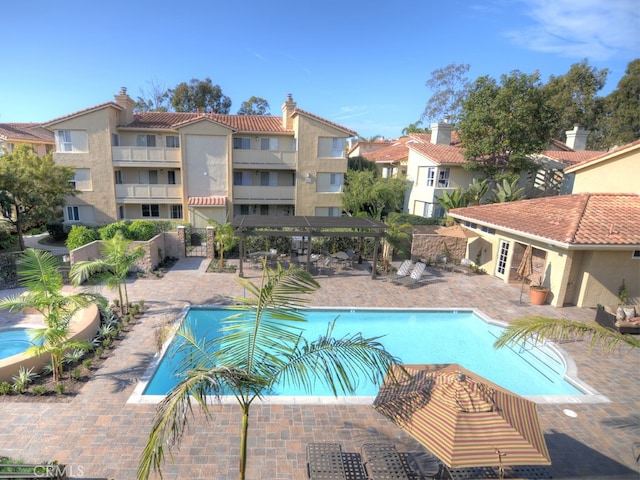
403	271
325	461
414	277
382	461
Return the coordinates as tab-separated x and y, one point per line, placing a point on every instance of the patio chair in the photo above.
414	277
383	462
325	461
403	271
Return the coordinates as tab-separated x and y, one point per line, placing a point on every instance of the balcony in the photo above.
257	194
264	159
146	157
144	192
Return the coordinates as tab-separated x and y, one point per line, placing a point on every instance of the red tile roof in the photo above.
451	154
571	157
242	123
215	201
587	219
394	152
25	132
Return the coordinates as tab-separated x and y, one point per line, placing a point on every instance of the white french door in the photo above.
503	255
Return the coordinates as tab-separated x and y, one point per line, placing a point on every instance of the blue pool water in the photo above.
416	337
14	341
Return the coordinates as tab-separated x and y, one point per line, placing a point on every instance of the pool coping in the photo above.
590	395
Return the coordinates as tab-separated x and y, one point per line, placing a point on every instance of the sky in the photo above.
363	65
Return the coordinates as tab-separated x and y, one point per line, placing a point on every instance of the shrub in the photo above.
79	236
60	388
56	230
76	374
39	390
109	231
142	230
5	388
23	379
87	362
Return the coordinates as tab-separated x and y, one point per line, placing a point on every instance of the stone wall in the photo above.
427	245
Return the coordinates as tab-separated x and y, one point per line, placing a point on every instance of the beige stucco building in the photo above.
197	167
586	245
34	134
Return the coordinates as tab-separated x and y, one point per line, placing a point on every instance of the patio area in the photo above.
98	435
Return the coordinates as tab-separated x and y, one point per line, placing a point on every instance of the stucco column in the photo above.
182	240
211	250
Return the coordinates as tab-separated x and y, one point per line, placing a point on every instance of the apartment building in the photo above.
34	134
195	166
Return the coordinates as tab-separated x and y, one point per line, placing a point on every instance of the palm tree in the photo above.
545	328
117	259
452	200
262	346
395	238
476	191
40	274
224	239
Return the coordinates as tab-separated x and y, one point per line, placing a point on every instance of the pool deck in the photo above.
100	435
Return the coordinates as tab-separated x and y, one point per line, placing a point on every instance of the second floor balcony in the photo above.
264	159
261	194
145	157
156	193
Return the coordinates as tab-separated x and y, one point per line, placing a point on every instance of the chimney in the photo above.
441	133
576	138
287	109
127	103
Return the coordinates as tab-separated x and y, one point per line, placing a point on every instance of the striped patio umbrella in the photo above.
462	418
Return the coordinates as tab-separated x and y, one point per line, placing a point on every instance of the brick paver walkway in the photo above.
100	436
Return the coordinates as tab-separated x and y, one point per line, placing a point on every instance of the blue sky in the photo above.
361	64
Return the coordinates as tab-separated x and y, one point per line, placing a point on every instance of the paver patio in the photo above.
100	436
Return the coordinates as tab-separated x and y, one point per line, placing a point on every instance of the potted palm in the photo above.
538	292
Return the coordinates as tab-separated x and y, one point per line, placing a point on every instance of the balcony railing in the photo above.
152	192
246	194
264	159
145	157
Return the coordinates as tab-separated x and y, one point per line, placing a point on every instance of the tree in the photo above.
413	128
154	99
367	193
545	328
395	238
450	86
361	163
224	238
449	201
40	275
262	346
621	122
254	106
476	191
31	188
199	95
117	259
574	97
503	124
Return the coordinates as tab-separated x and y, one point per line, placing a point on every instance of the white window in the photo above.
268	144
328	212
635	255
148	176
146	140
73	214
121	212
268	179
151	210
243	143
175	211
242	178
330	147
329	182
82	179
115	140
171	177
118	177
443	178
431	176
172	141
71	141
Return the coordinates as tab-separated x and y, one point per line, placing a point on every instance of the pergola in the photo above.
308	227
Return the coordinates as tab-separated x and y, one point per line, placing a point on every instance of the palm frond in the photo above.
39	271
540	328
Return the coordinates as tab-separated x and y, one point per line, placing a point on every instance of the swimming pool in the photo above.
14	341
416	336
